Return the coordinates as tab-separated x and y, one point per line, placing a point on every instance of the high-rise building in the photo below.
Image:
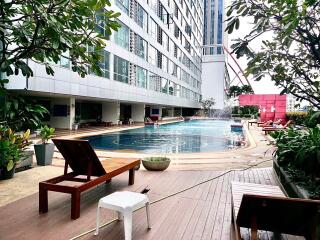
214	59
151	67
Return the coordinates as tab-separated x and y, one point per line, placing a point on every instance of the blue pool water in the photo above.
182	137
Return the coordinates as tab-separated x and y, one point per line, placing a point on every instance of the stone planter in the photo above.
156	165
44	153
26	162
290	187
5	174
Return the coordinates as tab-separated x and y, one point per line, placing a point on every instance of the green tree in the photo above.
235	91
290	43
22	113
207	105
46	30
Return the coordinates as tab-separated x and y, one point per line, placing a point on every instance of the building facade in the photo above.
214	59
151	67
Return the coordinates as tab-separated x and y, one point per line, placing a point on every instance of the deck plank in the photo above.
200	213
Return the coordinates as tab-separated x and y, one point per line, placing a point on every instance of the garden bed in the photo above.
292	189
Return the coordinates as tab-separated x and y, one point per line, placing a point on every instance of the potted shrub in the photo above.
156	163
76	122
44	151
11	149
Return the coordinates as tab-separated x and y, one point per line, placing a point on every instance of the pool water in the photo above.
182	137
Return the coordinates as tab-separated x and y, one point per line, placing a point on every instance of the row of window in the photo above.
122	69
193	33
141	18
139	78
154	56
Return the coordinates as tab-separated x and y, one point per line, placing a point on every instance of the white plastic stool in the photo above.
124	203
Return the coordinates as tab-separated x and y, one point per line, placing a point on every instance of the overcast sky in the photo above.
265	86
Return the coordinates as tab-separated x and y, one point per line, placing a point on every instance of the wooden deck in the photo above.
203	212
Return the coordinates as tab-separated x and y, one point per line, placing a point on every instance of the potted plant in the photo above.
156	163
76	122
11	149
44	151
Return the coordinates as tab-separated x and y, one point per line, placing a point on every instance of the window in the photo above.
177	91
171	88
105	64
164	85
154	82
152	56
164	63
153	5
165	41
121	69
141	77
140	47
153	28
171	67
171	47
123	5
141	17
121	37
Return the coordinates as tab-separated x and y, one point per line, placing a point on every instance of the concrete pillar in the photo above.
72	104
137	112
63	119
110	112
111	65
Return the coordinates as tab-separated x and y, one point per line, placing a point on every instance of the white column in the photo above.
64	122
110	112
138	112
72	104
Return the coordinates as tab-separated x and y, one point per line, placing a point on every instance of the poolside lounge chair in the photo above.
266	130
266	123
81	158
265	207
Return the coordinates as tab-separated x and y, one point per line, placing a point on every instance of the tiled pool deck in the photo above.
200	213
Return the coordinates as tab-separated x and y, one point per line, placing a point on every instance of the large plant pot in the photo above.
156	165
5	174
44	153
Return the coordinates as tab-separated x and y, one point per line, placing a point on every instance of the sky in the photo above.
265	86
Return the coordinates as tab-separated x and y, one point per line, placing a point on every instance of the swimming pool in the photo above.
182	137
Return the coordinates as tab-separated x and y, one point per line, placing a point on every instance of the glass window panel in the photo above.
140	47
121	70
123	5
141	17
154	82
121	37
141	77
152	55
164	85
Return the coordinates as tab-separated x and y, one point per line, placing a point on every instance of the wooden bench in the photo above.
86	169
265	207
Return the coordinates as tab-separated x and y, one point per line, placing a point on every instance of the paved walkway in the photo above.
26	183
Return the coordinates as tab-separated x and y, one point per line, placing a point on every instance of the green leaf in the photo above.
10	165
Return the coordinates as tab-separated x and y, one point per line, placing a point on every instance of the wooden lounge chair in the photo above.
266	123
86	169
266	130
265	207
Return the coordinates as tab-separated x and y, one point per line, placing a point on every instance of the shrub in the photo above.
298	152
298	118
11	147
